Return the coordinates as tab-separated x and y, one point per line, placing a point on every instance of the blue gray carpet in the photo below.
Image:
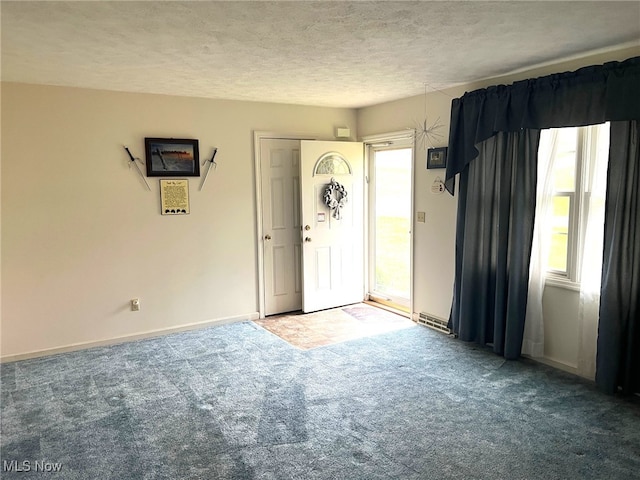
236	402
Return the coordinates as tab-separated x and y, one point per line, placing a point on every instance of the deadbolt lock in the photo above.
307	228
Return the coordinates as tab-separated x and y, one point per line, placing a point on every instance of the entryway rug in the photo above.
337	325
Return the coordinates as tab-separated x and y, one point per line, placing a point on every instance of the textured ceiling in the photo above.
339	54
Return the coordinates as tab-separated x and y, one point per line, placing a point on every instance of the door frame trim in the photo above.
258	136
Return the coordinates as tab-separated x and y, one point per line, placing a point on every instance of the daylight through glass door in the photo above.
390	216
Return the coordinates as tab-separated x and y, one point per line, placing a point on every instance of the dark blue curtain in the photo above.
493	242
588	96
618	360
495	217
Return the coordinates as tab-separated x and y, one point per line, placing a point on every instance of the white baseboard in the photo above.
129	338
550	362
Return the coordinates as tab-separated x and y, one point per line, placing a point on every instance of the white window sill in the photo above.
562	282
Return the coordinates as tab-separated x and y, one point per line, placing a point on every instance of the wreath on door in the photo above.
335	197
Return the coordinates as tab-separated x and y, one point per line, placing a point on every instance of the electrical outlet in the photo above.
421	217
135	304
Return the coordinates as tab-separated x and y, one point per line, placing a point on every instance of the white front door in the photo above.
280	184
333	239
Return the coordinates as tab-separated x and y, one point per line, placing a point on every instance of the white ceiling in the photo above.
329	53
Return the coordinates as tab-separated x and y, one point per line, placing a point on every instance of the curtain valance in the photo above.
587	96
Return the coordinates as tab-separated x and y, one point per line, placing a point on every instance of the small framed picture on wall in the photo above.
172	157
437	158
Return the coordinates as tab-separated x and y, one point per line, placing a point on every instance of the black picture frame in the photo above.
172	157
437	158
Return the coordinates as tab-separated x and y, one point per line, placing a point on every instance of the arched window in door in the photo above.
332	163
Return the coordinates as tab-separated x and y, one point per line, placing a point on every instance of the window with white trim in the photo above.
577	152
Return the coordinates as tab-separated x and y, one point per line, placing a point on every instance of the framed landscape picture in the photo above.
172	157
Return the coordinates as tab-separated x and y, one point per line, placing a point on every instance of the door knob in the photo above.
267	237
307	239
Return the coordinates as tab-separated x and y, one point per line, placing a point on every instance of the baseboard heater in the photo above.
431	321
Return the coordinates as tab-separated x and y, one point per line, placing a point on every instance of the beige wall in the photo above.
434	239
81	235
